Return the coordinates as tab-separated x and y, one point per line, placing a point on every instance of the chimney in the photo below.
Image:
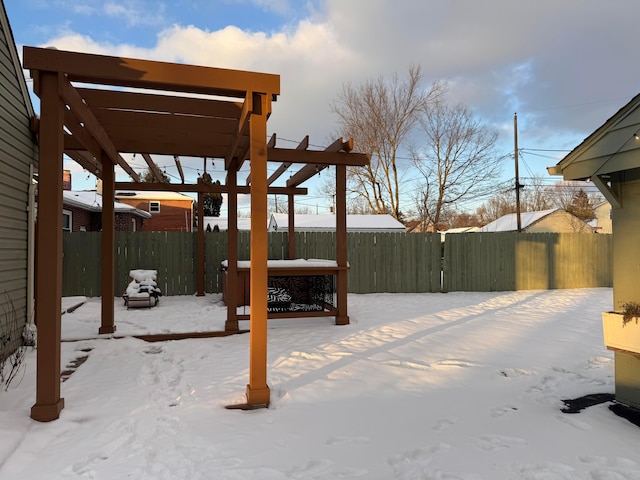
99	186
66	179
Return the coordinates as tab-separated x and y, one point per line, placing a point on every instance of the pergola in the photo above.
94	108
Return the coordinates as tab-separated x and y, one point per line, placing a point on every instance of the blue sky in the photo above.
565	67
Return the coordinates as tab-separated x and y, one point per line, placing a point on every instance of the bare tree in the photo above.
536	196
496	207
458	160
380	115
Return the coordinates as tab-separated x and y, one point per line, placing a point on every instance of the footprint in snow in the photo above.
348	440
490	443
443	425
573	422
498	412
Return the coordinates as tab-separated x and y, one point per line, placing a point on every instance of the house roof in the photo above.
328	222
142	195
223	223
610	148
509	222
6	27
92	201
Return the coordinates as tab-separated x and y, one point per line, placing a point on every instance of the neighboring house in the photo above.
244	224
554	221
279	222
82	212
444	233
170	211
602	222
421	226
18	159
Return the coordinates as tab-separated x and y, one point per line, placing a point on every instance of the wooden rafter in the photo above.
153	167
241	129
86	117
303	145
335	154
87	161
179	166
145	102
81	134
178	187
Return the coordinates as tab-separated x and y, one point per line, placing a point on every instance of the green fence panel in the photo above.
378	262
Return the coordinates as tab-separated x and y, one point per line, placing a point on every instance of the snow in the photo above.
303	222
243	223
297	263
509	222
92	201
419	386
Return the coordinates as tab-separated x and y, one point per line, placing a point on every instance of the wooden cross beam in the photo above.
334	154
153	167
179	165
86	117
303	145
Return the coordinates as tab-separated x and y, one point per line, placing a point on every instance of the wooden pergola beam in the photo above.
335	154
241	128
81	134
145	102
86	117
153	167
131	72
186	187
320	157
179	166
86	161
303	145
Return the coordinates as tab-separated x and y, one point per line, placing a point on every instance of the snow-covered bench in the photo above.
142	290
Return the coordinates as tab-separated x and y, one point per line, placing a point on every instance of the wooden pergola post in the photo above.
291	236
107	247
231	294
257	390
341	244
49	245
200	243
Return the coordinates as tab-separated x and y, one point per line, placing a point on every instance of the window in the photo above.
154	207
67	224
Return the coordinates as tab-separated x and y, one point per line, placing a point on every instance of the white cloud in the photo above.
564	66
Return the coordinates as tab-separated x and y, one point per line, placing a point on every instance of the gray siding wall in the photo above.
17	152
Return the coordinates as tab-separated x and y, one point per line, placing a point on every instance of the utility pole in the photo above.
515	154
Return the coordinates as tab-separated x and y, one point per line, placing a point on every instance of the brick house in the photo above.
170	211
82	212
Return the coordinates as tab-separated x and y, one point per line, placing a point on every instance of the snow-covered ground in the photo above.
419	386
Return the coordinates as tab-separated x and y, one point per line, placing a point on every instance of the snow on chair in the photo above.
142	290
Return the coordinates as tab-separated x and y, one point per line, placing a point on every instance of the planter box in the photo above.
619	337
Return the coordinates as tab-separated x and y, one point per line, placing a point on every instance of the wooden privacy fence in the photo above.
526	261
379	262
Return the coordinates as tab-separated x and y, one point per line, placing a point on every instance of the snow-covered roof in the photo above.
460	230
153	195
223	223
370	223
92	201
509	222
